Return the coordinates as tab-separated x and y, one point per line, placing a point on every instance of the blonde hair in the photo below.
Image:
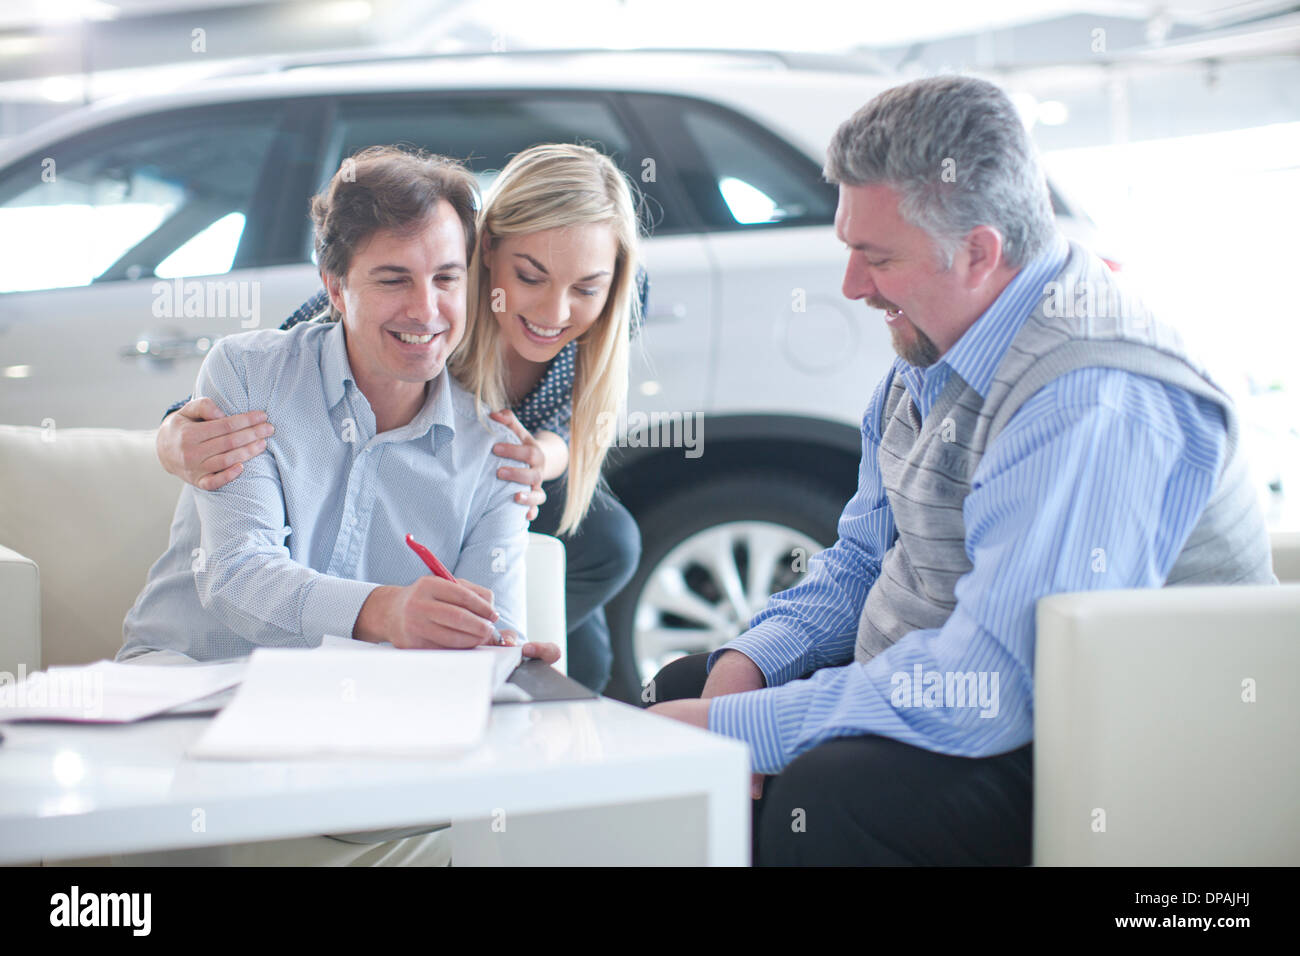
549	187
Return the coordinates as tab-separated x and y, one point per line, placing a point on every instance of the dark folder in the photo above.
543	682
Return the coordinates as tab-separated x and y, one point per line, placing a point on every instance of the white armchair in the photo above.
1286	556
1165	727
84	514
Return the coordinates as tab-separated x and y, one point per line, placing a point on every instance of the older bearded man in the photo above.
1031	439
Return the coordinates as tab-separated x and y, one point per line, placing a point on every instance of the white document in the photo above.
331	702
507	659
109	692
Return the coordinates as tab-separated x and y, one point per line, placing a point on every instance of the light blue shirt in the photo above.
289	551
1098	456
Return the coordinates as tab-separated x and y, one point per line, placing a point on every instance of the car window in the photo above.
756	183
736	174
165	197
484	130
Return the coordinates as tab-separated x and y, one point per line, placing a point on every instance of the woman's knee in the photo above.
609	535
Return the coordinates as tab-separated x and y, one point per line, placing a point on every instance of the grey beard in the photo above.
921	352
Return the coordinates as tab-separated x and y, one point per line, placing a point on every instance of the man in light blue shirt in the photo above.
373	440
1038	433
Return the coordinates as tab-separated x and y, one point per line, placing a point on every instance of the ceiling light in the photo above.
61	89
57	11
347	11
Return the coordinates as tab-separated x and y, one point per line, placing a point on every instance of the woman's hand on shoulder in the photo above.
201	445
529	452
556	451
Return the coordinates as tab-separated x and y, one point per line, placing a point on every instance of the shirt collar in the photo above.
335	369
976	355
336	374
438	412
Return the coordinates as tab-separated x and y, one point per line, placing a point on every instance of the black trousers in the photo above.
872	801
600	558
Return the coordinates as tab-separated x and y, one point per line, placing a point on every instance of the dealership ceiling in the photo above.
1118	68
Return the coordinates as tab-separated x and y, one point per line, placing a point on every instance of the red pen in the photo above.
439	569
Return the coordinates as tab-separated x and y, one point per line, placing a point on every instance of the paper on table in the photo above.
111	692
506	658
326	702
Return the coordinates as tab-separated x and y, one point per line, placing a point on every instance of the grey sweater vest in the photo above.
1083	320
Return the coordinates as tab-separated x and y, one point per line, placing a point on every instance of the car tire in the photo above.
749	513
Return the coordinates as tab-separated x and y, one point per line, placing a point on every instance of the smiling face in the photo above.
403	307
549	287
894	266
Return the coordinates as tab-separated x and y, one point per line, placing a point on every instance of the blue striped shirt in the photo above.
289	550
1095	482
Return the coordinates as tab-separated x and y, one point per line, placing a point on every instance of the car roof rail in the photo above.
859	62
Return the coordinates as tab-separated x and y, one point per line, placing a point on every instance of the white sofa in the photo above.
84	513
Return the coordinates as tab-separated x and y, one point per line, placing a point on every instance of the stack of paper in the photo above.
108	692
506	660
328	702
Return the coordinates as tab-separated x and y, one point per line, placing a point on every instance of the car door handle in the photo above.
168	350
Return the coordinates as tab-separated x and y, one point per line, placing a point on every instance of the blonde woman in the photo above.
554	292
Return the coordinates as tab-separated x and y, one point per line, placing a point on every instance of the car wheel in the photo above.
711	557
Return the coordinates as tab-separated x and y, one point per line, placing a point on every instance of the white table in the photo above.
572	782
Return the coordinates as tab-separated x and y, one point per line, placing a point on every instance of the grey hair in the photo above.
955	149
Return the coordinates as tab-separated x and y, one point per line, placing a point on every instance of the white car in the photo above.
133	234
